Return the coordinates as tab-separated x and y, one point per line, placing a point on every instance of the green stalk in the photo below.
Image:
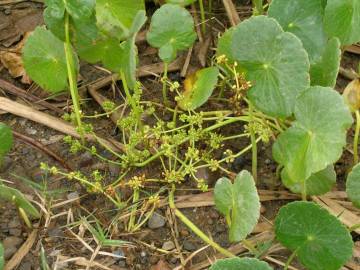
195	229
253	145
129	96
202	14
133	209
291	258
164	88
258	7
70	65
356	137
303	191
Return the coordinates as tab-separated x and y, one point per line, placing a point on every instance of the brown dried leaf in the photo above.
12	61
352	95
161	265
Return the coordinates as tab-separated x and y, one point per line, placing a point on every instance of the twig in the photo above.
42	147
51	122
12	89
231	12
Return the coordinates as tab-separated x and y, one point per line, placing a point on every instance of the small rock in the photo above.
153	260
156	221
114	170
15	232
25	266
86	159
73	195
168	245
56	233
30	131
15	223
5	164
219	228
143	254
189	246
214	214
11	245
210	221
267	161
120	254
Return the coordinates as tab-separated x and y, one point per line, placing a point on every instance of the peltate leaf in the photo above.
342	20
305	20
16	197
81	12
116	56
198	88
115	17
320	240
45	61
240	203
171	30
353	185
322	119
6	140
275	62
318	183
240	264
324	72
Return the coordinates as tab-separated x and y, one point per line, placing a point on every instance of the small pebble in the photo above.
189	246
30	131
184	233
11	245
168	245
143	254
73	195
156	221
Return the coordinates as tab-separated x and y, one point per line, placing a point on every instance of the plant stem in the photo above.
133	209
70	65
164	88
303	191
258	7
291	258
129	96
195	229
253	145
202	14
354	227
356	137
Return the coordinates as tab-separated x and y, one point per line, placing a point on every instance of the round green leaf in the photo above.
171	30
318	183
240	203
353	185
45	61
275	61
224	44
305	20
324	72
342	20
81	12
115	17
6	140
320	240
240	264
198	88
322	118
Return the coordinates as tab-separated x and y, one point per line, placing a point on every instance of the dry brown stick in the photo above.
184	70
349	74
42	147
231	12
21	253
51	122
12	89
353	49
